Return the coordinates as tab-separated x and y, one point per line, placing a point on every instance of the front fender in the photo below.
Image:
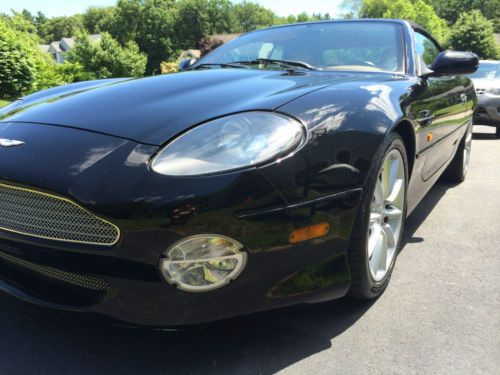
346	124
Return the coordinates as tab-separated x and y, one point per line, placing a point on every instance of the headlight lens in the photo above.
495	91
228	143
203	262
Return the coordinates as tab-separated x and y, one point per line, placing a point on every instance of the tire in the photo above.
367	281
459	166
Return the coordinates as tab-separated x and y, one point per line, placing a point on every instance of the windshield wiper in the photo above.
295	64
222	65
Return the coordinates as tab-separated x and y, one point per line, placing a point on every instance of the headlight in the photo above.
203	262
229	143
495	91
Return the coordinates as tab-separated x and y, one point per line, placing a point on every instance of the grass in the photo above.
3	103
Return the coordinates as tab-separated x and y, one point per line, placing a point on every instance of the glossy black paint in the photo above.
454	63
93	142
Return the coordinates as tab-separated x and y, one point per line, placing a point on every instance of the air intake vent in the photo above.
74	279
480	91
36	214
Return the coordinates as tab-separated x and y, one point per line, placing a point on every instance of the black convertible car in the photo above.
277	170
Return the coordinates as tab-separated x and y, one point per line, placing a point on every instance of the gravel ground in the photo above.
440	314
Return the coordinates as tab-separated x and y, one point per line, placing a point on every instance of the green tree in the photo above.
418	11
107	58
450	10
127	19
17	68
99	19
24	68
253	16
156	32
60	27
473	32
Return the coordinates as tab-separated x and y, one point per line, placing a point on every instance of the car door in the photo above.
445	112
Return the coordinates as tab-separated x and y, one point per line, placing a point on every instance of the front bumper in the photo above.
132	291
488	110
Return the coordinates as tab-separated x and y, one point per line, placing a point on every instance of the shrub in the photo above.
473	32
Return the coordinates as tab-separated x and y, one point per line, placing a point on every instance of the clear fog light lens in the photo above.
203	262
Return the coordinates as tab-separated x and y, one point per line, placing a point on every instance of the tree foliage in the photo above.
451	10
60	27
418	11
24	68
107	58
473	32
141	34
17	68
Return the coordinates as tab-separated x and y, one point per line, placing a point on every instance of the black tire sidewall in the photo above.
369	288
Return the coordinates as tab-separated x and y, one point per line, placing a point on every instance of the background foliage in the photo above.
147	36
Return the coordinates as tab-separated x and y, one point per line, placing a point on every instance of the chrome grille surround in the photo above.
41	215
75	279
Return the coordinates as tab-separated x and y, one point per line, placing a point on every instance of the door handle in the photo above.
425	117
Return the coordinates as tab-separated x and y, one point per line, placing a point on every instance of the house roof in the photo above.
44	47
55	47
67	43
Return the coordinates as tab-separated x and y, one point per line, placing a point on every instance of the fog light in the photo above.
203	262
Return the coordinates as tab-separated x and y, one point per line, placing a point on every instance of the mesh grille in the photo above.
75	279
41	215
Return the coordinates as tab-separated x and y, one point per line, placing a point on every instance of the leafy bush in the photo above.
24	68
168	67
473	32
107	58
17	66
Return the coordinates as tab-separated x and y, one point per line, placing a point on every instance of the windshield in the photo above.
487	70
375	46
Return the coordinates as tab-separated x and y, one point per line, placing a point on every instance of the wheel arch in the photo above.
407	132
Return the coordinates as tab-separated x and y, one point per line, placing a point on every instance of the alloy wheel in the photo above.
467	149
386	215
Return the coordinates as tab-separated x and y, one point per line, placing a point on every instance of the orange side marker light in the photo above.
308	233
429	137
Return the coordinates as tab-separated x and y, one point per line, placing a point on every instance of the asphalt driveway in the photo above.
440	315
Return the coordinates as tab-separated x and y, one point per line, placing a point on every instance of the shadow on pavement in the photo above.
39	340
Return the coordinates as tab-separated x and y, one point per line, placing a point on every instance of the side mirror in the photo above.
184	64
449	63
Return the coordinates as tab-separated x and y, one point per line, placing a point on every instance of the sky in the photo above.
52	8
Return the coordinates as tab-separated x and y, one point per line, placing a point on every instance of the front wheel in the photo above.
459	166
379	225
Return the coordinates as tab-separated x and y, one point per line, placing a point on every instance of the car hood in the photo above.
152	110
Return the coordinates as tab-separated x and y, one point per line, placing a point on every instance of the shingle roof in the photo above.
67	43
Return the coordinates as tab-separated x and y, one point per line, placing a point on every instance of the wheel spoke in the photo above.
394	171
378	251
397	189
392	212
375	218
388	232
382	263
375	232
386	178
